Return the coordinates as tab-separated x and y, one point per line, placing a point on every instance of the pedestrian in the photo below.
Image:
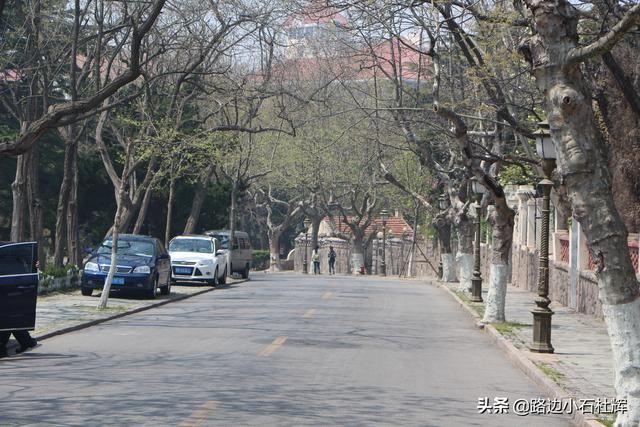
23	337
332	260
315	257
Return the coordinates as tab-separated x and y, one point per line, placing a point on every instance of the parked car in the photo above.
198	259
142	264
18	285
239	253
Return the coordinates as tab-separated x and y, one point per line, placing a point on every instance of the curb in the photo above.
84	325
523	363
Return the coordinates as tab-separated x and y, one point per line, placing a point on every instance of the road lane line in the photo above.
276	344
310	313
200	415
327	295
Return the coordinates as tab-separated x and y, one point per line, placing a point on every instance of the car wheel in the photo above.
86	291
166	289
223	279
245	272
151	293
214	281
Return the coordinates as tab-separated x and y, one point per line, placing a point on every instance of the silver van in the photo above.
239	255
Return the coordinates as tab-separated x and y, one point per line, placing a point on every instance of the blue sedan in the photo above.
142	264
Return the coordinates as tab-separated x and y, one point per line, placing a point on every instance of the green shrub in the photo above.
260	259
53	271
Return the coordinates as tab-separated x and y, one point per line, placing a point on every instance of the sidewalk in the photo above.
67	311
580	368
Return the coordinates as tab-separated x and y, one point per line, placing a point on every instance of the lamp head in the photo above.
384	215
442	202
544	142
476	187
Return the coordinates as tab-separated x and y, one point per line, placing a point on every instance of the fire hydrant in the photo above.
362	269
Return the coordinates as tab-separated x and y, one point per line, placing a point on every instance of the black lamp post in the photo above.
476	279
384	215
307	224
542	313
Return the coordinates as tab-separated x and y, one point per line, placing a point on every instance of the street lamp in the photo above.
384	215
379	236
442	204
307	224
542	313
476	279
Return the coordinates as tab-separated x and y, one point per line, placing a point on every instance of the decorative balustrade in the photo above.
563	239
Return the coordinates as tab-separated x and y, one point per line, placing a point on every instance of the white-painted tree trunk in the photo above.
357	261
465	268
623	325
104	297
448	268
495	302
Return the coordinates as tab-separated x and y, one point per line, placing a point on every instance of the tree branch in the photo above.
607	41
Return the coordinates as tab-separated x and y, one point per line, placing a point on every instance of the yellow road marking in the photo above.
276	344
309	313
327	295
200	415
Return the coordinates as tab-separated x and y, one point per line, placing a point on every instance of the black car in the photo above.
18	285
142	264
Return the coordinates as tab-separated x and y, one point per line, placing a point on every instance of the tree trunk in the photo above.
502	221
357	253
36	222
18	190
232	217
583	169
60	235
274	251
122	194
74	251
172	191
464	257
315	227
144	207
198	200
443	227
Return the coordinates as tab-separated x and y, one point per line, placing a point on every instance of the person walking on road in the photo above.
315	257
332	260
23	337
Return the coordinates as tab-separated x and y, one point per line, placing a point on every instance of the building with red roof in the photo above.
318	43
396	226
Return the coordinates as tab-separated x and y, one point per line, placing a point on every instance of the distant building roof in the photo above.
396	226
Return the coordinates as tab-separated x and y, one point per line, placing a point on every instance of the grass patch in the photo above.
478	307
608	421
113	309
551	372
508	328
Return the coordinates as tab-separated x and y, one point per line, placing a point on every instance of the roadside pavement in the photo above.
580	369
61	312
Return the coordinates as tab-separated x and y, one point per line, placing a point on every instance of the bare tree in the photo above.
556	57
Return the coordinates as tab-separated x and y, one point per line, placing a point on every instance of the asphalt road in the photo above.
278	350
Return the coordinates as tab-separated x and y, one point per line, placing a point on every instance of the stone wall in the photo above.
48	284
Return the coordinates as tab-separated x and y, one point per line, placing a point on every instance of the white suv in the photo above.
197	259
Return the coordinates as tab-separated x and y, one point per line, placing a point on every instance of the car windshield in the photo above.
191	245
223	239
128	247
